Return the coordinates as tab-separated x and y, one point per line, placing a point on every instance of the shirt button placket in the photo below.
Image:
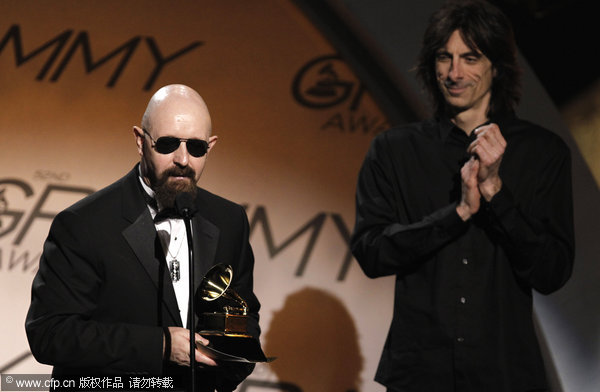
462	299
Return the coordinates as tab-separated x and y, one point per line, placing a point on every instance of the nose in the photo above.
180	156
456	71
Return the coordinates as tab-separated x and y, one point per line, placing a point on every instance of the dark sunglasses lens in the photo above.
197	148
167	144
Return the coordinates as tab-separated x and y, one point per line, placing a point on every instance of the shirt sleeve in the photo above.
384	242
538	234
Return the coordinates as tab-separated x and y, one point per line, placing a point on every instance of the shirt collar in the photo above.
149	195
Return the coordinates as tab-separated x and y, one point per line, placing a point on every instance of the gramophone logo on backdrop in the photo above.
327	82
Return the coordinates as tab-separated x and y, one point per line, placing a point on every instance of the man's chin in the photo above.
456	106
181	185
167	192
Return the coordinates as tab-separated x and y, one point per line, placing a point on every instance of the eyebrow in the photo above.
470	53
473	53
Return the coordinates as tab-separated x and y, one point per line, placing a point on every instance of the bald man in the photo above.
111	293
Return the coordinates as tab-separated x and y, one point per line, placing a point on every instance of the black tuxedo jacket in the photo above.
103	293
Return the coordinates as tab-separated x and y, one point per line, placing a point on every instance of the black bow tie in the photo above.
167	213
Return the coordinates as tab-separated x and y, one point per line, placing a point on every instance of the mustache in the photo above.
179	172
459	84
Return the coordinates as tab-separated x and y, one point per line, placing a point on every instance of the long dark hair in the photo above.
484	28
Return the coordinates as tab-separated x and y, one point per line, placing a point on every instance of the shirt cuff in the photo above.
450	222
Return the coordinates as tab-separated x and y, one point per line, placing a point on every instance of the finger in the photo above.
473	172
484	151
475	146
471	147
482	131
481	151
202	340
495	137
201	358
488	150
469	170
485	132
491	133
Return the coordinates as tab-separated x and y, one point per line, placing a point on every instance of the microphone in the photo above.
185	207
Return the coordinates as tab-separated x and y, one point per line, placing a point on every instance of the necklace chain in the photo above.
169	247
174	263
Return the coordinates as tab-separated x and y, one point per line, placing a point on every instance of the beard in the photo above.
166	192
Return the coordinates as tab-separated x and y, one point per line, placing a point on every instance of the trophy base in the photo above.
234	349
224	324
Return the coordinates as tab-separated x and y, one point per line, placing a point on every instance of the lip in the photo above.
455	91
179	178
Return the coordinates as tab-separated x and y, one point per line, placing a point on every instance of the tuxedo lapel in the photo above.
143	240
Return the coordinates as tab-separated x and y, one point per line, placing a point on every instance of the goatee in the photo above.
166	191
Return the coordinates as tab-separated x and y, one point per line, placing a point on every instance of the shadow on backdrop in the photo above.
316	343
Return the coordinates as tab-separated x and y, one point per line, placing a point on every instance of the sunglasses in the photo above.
168	144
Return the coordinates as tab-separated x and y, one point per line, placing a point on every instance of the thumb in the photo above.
475	165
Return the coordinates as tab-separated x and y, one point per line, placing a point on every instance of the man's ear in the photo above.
212	140
138	133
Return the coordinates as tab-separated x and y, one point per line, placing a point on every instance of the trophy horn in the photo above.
216	284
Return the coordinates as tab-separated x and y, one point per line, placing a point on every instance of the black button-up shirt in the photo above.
463	295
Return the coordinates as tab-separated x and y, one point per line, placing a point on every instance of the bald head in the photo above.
178	103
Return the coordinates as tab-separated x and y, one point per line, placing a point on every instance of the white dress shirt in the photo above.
173	238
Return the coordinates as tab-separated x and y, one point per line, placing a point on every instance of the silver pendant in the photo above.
174	268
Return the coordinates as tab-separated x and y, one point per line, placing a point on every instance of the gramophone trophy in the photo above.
232	319
226	327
